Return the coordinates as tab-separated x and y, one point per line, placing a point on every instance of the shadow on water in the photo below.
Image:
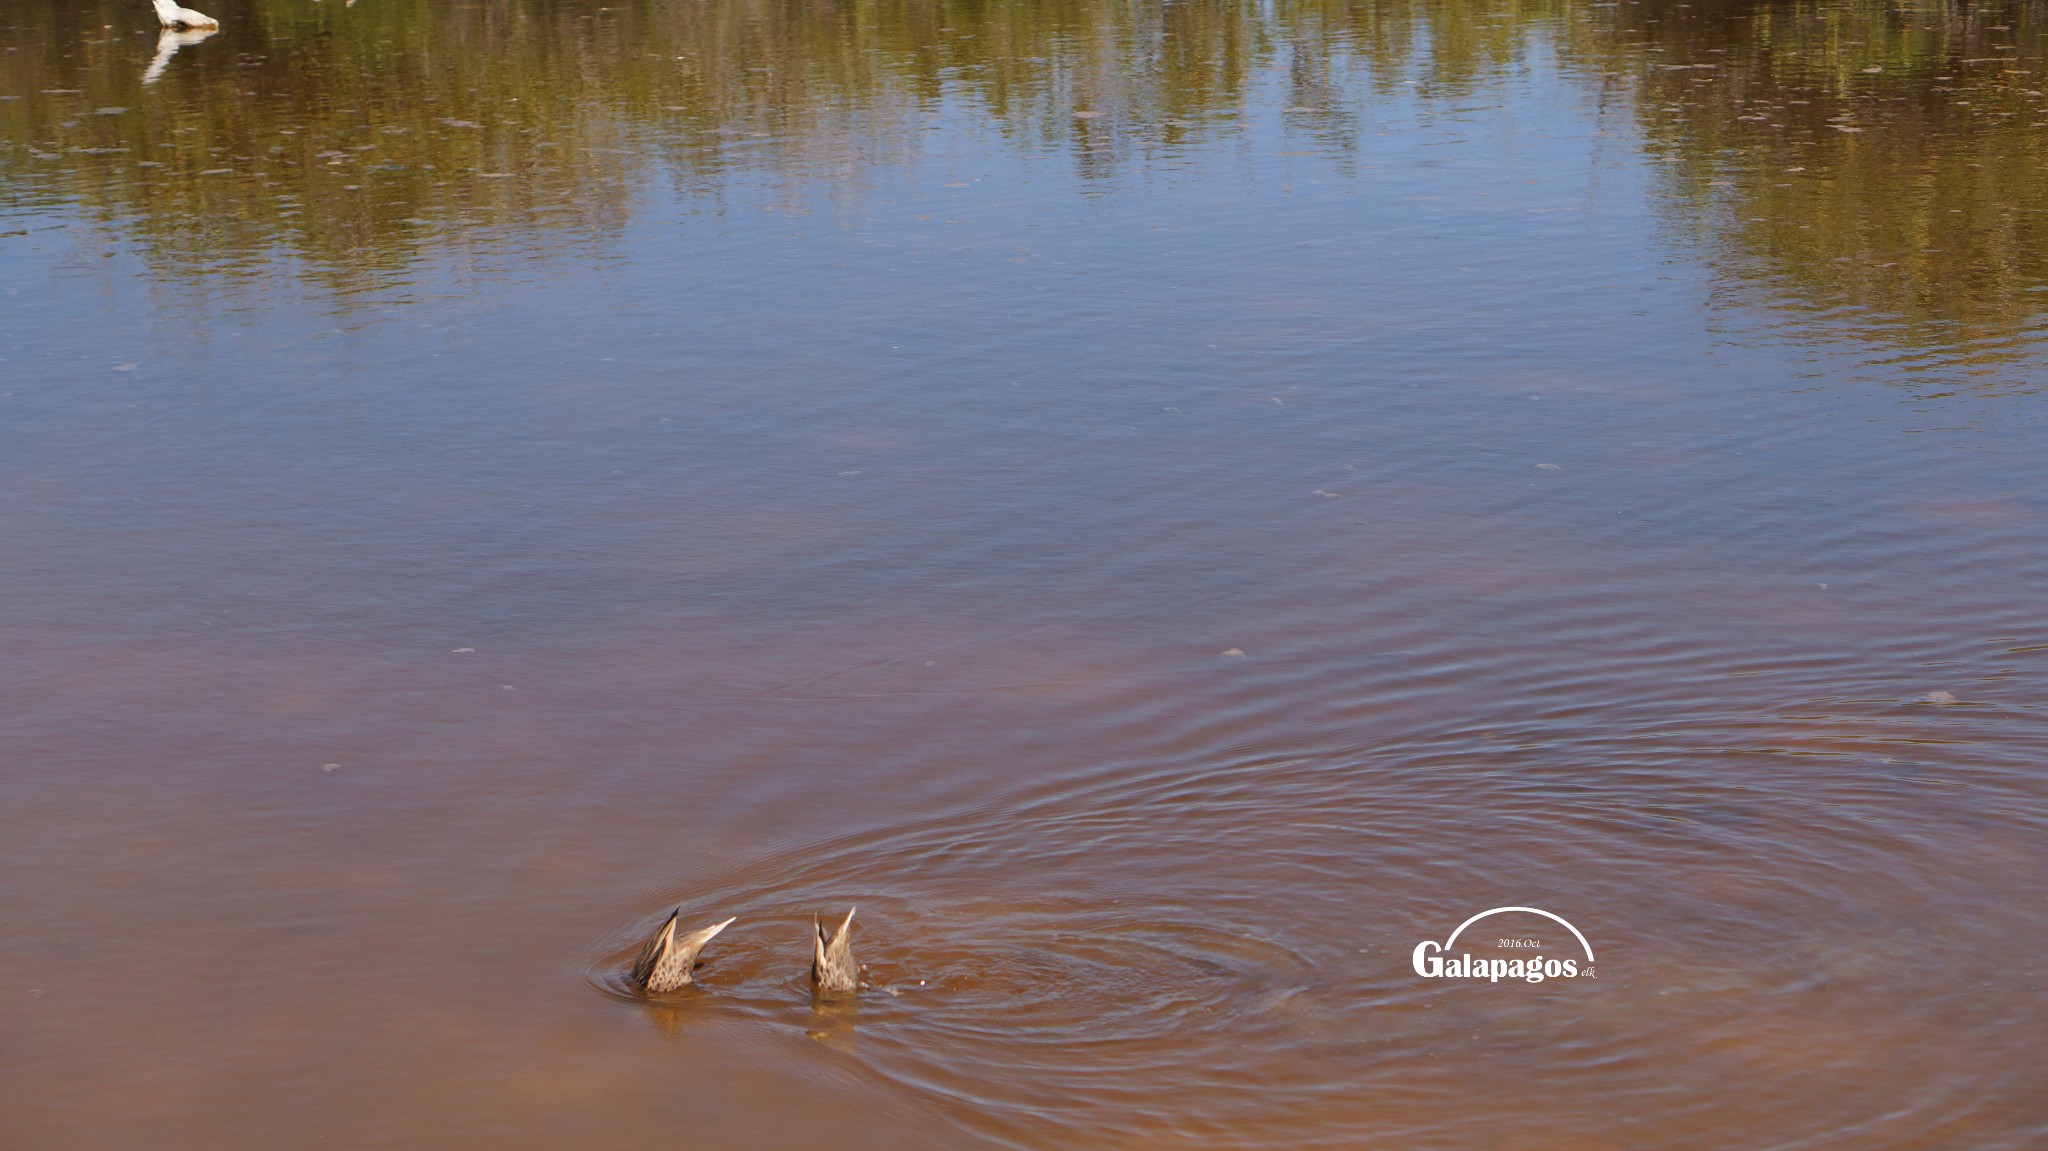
835	1023
1878	167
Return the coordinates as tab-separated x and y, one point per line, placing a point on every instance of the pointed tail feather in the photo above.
694	942
832	966
651	952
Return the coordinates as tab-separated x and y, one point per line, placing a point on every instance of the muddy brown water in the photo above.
1165	508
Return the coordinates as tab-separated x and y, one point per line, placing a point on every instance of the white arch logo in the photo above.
1434	961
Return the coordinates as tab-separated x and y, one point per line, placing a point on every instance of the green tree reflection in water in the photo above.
349	137
1884	166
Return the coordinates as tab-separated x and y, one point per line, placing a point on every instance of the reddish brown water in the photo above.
1164	509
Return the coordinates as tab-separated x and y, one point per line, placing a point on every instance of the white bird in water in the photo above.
172	16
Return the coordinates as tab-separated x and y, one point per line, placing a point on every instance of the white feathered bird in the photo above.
172	16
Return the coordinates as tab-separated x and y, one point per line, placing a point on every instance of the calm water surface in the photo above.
1163	506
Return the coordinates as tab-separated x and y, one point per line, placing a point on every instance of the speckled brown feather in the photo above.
832	968
664	963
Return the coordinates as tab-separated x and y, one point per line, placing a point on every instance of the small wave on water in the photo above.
1208	942
993	1004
